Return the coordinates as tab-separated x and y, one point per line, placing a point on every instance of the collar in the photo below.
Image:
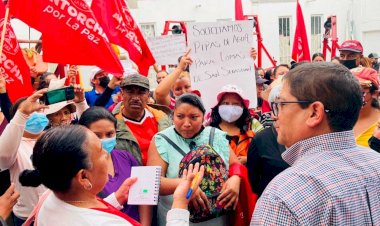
195	135
317	144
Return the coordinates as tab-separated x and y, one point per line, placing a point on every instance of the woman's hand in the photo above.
31	104
253	53
229	195
199	201
71	74
180	201
79	94
242	159
185	61
8	200
122	193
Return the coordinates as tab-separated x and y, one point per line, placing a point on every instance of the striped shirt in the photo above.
331	181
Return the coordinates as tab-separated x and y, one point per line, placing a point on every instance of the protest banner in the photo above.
221	55
13	67
167	49
70	32
121	29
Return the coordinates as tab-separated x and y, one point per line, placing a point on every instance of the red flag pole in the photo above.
4	29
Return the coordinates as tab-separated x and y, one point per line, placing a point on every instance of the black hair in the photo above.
15	106
374	101
277	67
43	83
332	85
95	114
192	99
296	64
58	156
315	55
267	76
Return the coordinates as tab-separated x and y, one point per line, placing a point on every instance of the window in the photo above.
148	30
284	39
316	34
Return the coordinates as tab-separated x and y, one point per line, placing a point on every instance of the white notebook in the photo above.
146	189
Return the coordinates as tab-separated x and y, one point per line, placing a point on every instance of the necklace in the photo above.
75	201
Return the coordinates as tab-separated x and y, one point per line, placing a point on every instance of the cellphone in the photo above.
59	95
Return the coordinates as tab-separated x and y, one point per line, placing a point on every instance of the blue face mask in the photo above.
36	123
109	143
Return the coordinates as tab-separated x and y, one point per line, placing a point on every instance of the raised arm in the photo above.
11	137
161	94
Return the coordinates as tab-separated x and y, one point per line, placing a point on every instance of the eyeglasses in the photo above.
275	108
275	104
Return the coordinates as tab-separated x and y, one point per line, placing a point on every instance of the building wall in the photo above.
359	19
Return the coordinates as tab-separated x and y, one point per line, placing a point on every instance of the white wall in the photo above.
364	14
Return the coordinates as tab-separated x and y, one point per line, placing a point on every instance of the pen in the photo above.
192	186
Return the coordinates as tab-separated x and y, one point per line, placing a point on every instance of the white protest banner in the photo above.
221	55
168	48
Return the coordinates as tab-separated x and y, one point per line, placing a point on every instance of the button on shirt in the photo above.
331	181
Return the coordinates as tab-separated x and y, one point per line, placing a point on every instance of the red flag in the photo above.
121	29
70	32
238	10
301	50
13	65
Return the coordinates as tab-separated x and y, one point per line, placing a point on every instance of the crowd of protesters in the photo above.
301	157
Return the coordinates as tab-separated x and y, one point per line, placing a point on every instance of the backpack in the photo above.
215	176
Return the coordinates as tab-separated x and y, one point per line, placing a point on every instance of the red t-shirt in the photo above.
143	131
112	210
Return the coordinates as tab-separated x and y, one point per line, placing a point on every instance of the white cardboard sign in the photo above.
221	55
167	49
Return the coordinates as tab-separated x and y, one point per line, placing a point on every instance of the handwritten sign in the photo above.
221	55
167	49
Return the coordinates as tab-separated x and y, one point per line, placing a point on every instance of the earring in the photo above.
88	187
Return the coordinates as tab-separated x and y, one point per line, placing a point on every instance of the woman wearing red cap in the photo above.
370	113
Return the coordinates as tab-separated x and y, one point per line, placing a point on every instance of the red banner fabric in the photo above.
239	10
301	50
122	30
70	32
13	65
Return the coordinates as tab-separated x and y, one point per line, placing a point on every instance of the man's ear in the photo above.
317	114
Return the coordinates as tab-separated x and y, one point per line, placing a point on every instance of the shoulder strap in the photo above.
174	145
211	138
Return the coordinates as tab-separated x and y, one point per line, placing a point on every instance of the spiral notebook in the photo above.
146	189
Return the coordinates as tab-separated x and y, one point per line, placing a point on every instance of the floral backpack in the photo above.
215	176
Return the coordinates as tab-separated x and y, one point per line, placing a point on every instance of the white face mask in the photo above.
230	113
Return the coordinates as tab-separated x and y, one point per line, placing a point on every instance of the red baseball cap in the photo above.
351	45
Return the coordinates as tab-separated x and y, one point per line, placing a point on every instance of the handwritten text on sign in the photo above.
167	49
221	56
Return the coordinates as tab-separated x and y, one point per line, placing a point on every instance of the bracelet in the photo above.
238	170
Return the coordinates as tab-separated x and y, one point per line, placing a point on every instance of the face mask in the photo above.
103	81
374	143
108	144
36	123
230	113
349	63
